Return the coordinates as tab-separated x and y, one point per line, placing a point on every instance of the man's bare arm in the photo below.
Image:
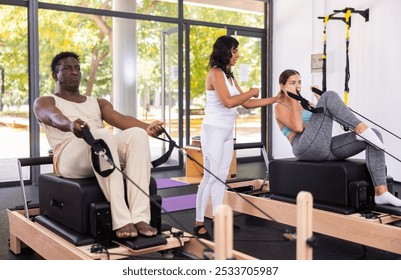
46	112
122	122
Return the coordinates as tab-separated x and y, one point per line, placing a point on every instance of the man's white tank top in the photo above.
88	111
216	114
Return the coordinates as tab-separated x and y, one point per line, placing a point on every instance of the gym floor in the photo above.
256	237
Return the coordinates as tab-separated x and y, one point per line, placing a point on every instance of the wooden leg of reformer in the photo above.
15	244
223	233
304	225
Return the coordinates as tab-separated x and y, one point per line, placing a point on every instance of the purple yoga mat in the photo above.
163	183
178	203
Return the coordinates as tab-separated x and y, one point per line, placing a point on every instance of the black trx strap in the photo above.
347	19
317	91
324	56
305	103
166	156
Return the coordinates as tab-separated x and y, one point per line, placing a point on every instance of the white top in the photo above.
216	114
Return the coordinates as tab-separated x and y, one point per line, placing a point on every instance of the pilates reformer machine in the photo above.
73	218
342	201
343	216
73	221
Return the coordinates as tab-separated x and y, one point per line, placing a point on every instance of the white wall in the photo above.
375	59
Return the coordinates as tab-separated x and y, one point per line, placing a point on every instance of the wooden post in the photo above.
223	233
304	225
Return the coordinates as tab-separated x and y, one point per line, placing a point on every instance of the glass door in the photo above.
250	125
200	40
168	100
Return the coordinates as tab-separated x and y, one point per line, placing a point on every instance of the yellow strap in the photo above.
326	19
346	98
347	17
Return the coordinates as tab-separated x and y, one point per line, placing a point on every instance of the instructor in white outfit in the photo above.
223	95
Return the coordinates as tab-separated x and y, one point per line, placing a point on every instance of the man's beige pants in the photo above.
130	149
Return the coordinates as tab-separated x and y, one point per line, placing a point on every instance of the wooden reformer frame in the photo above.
49	245
24	231
375	232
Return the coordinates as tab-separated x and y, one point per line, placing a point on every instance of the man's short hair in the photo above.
60	56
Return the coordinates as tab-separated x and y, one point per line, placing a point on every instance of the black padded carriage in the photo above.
342	186
77	210
67	200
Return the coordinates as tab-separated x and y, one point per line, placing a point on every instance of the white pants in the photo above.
217	149
129	148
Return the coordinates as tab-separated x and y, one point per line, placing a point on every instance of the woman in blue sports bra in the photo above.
305	118
310	134
223	96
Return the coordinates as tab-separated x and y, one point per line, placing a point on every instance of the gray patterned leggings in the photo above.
316	142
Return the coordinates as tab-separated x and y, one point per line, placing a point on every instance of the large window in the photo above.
168	8
144	47
101	56
14	111
248	73
226	12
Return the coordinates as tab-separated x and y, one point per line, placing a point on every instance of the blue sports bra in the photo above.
305	117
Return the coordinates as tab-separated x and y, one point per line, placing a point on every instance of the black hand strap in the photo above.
317	91
166	156
98	148
305	103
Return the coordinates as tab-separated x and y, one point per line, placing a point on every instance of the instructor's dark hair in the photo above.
60	56
221	54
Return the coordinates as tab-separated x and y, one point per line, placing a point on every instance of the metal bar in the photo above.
23	189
